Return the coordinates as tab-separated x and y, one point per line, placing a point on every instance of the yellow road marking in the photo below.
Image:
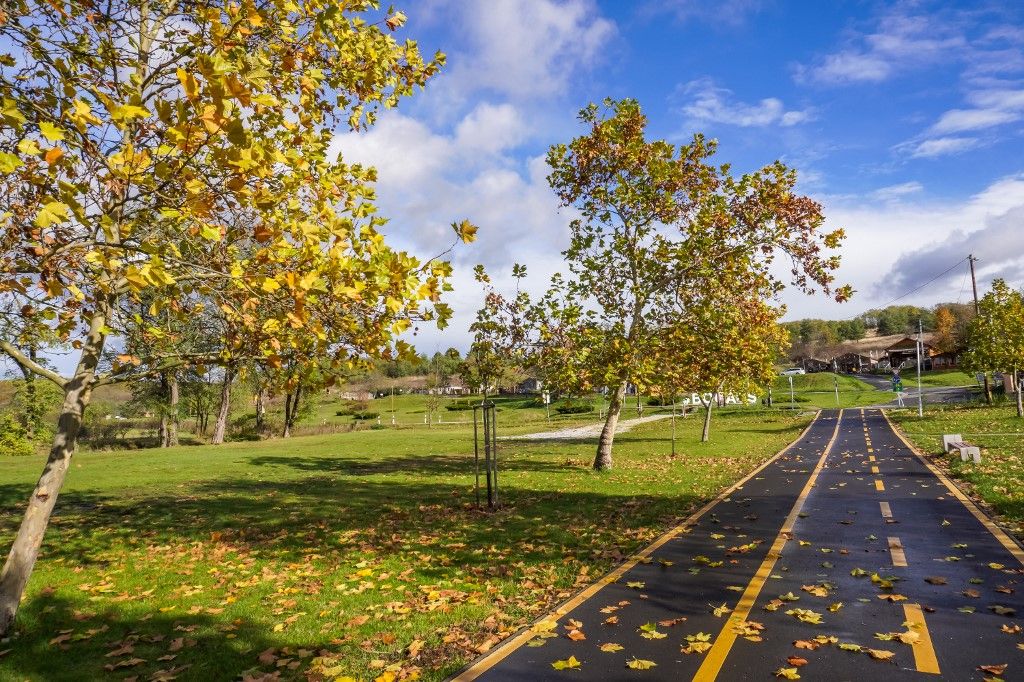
886	510
870	449
896	549
871	458
497	655
879	486
1000	535
874	470
715	658
924	653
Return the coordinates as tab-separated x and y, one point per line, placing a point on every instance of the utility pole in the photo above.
920	348
977	311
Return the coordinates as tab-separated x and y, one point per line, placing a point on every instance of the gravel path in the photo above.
589	431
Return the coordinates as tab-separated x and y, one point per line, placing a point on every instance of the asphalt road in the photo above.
847	536
929	394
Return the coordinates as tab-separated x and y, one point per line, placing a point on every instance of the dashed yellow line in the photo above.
874	470
871	458
715	658
879	486
886	510
896	549
924	653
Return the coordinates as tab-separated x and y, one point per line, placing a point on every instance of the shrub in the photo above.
574	408
365	415
13	441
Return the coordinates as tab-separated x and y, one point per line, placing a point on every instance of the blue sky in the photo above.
903	120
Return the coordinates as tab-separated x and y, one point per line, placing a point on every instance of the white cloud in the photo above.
961	120
896	192
713	104
715	12
942	146
893	247
526	48
899	42
491	129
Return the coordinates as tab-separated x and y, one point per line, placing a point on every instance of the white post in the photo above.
792	399
920	344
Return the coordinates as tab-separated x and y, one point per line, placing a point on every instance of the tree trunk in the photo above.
706	434
172	404
1020	394
287	415
164	416
29	417
603	460
261	409
988	390
221	427
25	549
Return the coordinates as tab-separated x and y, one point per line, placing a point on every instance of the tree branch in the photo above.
12	351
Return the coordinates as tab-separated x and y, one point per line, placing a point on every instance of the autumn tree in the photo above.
177	152
656	219
945	331
995	338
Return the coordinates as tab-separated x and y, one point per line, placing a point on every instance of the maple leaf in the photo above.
566	664
935	580
1002	610
576	635
805	616
787	673
720	611
611	647
650	631
892	597
640	664
994	669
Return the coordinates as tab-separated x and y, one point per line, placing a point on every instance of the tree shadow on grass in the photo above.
57	639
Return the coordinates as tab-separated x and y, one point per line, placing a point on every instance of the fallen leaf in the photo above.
796	661
994	669
880	654
568	663
1002	610
787	673
611	647
935	580
892	597
576	635
640	664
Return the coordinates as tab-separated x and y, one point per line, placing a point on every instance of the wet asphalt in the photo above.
861	569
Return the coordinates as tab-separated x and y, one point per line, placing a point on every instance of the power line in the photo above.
915	290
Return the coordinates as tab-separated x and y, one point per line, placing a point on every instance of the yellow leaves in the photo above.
697	644
892	597
28	147
9	162
650	631
787	673
81	114
611	647
466	231
544	626
51	132
640	664
805	616
567	664
880	654
51	213
720	611
126	113
188	84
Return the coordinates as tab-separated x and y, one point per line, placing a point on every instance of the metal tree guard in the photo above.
485	412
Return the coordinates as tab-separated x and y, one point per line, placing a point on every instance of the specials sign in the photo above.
726	398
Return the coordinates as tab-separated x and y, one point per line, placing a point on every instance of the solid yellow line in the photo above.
1000	535
886	510
715	658
879	486
924	652
896	549
510	645
874	470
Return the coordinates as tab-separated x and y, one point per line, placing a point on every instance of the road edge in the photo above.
1005	539
485	662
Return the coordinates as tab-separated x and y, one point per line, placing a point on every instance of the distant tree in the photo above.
946	338
851	330
996	336
656	220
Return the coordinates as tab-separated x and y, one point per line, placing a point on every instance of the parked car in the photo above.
793	371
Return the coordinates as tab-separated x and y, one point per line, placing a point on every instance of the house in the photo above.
855	362
904	352
530	385
811	364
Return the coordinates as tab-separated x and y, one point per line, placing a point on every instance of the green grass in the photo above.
941	378
330	555
818	390
999	479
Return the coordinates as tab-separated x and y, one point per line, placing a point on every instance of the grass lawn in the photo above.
999	479
940	378
350	554
818	390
